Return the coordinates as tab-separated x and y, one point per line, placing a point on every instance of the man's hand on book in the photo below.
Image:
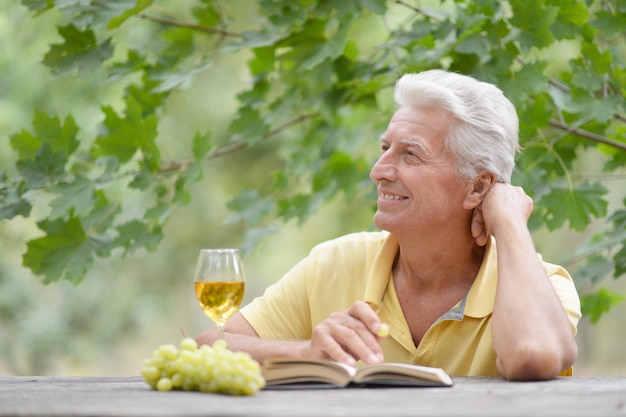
349	336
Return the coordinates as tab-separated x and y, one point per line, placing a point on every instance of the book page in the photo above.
403	373
293	370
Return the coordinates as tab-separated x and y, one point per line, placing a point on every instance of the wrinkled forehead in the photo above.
420	126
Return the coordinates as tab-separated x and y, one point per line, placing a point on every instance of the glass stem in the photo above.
220	331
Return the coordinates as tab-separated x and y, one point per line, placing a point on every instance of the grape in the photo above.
169	352
164	384
213	369
384	330
188	344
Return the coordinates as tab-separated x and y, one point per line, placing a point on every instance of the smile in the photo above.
391	197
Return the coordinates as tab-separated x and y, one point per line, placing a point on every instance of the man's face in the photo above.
418	189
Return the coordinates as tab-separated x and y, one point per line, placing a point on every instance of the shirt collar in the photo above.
380	273
479	300
482	294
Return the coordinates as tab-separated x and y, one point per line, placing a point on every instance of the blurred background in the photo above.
126	307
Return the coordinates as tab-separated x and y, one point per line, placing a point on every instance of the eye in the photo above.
411	153
384	147
412	156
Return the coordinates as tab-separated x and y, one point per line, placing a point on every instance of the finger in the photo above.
361	345
324	345
380	329
365	313
343	345
477	224
478	228
368	330
348	336
344	338
383	331
352	334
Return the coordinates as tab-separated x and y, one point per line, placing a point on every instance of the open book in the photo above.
299	371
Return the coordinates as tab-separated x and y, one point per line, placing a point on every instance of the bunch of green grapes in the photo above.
207	369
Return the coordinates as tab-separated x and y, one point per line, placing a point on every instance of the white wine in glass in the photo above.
219	284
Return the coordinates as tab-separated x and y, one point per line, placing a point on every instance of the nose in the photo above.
384	168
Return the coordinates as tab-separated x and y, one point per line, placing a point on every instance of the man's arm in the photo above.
531	333
346	336
241	336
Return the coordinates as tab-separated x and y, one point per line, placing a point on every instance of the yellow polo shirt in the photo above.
358	267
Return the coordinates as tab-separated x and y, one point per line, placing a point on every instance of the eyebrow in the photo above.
409	142
412	142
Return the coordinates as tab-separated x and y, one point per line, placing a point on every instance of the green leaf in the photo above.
620	261
101	15
102	214
339	171
124	136
79	51
475	44
588	107
533	18
534	116
46	168
181	193
619	219
330	49
202	145
142	180
253	236
528	81
471	39
267	36
25	144
123	5
599	303
77	197
248	126
610	24
375	6
181	78
300	206
208	14
64	252
596	57
59	137
263	61
11	201
38	5
573	14
135	235
596	269
576	205
249	207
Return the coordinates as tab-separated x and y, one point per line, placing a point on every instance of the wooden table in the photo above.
130	396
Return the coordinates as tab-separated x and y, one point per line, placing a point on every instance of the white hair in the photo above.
485	134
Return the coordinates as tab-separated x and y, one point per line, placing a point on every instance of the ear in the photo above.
478	188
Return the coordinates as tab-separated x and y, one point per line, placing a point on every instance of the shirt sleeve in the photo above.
331	278
566	291
283	312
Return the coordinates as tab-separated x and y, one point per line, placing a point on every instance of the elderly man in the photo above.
453	271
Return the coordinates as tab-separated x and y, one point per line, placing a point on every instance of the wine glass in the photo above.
219	284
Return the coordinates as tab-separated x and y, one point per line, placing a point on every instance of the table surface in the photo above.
470	396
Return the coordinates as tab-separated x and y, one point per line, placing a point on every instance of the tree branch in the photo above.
589	135
198	28
417	9
566	89
168	166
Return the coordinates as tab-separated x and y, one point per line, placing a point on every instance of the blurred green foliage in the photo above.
118	118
